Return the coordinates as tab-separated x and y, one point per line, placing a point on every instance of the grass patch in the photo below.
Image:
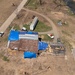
27	26
45	37
33	4
41	27
5	58
5	39
16	27
65	23
9	28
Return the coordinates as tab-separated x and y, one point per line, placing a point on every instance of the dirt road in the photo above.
12	16
55	31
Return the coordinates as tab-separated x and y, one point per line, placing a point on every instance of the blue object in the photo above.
42	45
22	32
28	32
13	36
28	54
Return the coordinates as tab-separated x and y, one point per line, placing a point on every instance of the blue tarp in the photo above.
28	54
22	32
13	36
28	32
42	45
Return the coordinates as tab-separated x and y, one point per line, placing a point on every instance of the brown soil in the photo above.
6	8
46	63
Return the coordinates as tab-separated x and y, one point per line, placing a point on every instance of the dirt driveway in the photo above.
55	30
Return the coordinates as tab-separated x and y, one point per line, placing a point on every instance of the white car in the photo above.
51	36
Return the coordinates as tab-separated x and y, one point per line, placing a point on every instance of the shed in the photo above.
57	48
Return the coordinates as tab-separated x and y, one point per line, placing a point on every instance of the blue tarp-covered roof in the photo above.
29	54
28	32
13	36
42	45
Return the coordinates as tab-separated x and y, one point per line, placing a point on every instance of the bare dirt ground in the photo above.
45	64
6	24
49	64
6	8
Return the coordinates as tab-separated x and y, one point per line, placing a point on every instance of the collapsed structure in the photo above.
57	48
26	41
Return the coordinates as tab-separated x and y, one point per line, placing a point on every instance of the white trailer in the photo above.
33	24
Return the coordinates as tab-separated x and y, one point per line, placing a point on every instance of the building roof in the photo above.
29	45
24	45
23	40
17	35
14	35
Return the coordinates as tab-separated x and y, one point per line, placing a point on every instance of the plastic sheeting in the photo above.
28	32
42	45
28	54
13	36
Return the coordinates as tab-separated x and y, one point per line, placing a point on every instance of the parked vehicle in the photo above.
1	34
34	23
51	36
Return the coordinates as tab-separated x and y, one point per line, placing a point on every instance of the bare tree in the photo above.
40	2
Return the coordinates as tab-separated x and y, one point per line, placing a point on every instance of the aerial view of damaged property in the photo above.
37	37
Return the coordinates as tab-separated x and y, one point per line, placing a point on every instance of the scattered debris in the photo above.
58	40
57	48
60	23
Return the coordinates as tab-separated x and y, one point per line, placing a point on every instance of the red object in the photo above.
51	35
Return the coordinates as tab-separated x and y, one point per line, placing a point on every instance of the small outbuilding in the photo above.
57	48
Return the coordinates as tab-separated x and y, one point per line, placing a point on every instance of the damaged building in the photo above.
57	48
26	41
23	41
